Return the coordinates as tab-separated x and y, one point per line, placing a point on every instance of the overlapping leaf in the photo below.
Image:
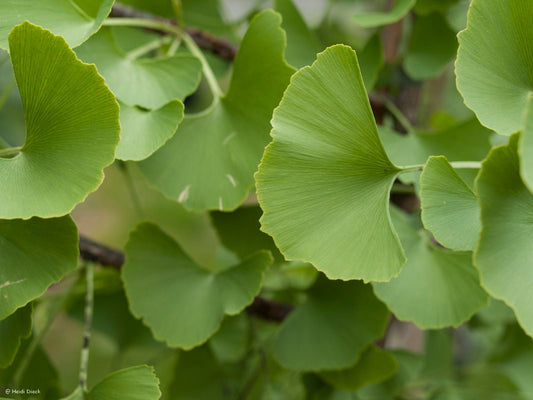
495	62
32	258
436	288
209	163
449	207
181	302
337	321
75	20
12	330
72	128
398	10
505	252
327	171
371	61
525	148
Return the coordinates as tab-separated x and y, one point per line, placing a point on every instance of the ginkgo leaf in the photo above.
436	288
336	322
32	259
373	19
134	383
75	21
72	126
431	48
449	207
13	330
209	163
373	366
147	82
371	61
495	62
180	301
326	172
525	147
144	131
505	253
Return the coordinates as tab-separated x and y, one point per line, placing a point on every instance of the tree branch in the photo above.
206	41
270	310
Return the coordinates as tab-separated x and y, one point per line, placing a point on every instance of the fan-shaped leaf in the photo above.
12	330
398	10
144	131
75	20
505	253
436	288
181	302
72	128
326	171
449	207
331	328
525	148
209	163
32	259
495	62
134	383
371	61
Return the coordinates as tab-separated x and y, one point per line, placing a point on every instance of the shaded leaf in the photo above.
494	65
181	302
505	253
209	163
331	328
326	171
436	288
12	330
371	61
72	128
399	9
450	210
32	259
525	147
75	21
134	383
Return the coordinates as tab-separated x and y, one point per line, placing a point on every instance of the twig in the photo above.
89	304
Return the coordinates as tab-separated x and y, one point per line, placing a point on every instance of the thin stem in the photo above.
206	68
143	23
89	304
7	90
9	151
466	164
131	188
411	168
174	46
397	113
153	45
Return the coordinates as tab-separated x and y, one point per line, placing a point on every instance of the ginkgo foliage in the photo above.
277	199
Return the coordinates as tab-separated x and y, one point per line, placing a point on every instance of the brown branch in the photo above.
206	41
270	310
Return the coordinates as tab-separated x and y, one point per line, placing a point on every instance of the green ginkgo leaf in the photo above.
373	366
209	163
399	9
147	82
505	251
431	48
72	127
371	61
32	259
326	332
525	148
180	301
495	62
144	131
73	20
13	330
449	207
436	288
326	171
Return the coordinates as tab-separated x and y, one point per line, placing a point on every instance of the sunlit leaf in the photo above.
326	171
449	207
209	163
436	288
74	20
326	332
32	258
504	255
398	10
373	366
495	62
144	131
431	48
72	128
12	330
181	302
